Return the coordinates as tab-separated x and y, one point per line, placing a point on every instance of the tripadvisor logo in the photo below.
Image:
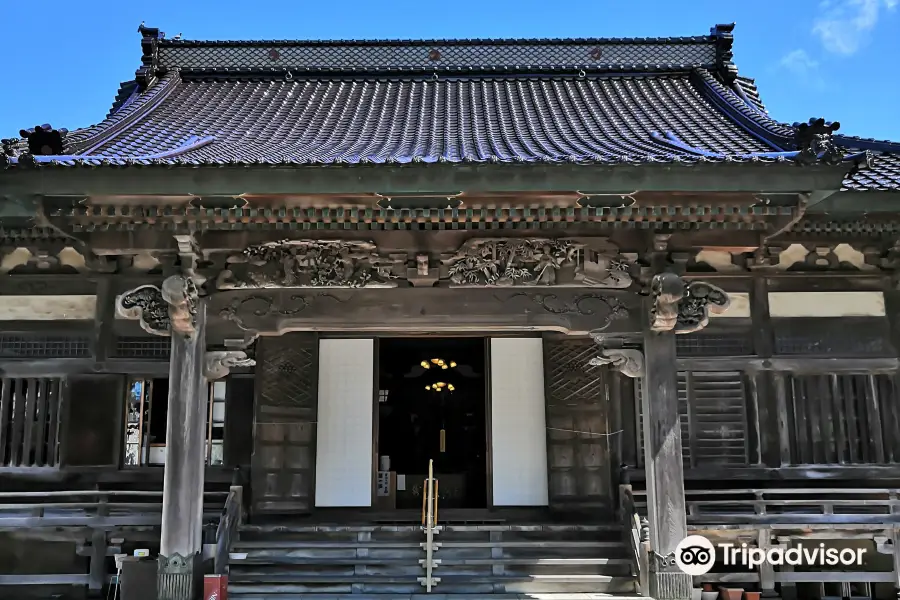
696	555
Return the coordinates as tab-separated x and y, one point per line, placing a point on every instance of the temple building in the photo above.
591	283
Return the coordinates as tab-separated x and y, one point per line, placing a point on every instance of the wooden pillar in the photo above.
663	466
175	309
673	307
181	543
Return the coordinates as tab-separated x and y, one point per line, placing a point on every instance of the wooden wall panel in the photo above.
93	424
578	442
713	411
239	421
29	422
284	444
841	419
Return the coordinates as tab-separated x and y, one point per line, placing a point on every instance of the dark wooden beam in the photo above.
418	179
97	577
800	364
104	317
704	475
663	461
62	367
762	390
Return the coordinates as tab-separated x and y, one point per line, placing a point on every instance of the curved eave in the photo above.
701	176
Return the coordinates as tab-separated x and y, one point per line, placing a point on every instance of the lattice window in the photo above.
578	440
29	422
44	346
143	347
740	344
146	422
821	337
841	419
712	412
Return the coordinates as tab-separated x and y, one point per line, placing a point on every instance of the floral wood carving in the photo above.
162	310
219	364
572	262
684	307
307	263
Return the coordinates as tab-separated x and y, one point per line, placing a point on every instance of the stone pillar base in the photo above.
671	585
179	577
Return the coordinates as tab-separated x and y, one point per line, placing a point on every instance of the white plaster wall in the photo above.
518	422
344	428
738	308
47	308
826	304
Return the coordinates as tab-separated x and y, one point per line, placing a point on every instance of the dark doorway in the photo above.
432	405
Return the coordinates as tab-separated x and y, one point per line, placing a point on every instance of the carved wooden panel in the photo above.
841	419
713	410
284	441
578	447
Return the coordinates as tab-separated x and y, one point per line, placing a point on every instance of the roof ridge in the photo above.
696	39
756	122
712	51
122	120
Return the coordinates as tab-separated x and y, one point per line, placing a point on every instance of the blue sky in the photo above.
837	59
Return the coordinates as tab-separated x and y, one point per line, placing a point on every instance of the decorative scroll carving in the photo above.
308	263
219	364
684	307
162	310
628	362
261	306
582	305
570	262
145	304
422	309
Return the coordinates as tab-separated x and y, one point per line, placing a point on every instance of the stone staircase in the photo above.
501	561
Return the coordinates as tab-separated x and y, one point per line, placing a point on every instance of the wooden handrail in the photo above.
631	529
785	491
58	493
228	529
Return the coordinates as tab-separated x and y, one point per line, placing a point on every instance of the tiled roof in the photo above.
654	100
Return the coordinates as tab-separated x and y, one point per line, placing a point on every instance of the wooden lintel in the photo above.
421	179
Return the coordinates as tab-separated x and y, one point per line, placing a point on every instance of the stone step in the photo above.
302	560
348	568
242	545
532	527
436	595
448	584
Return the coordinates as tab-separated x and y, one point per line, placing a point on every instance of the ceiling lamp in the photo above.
440	386
438	363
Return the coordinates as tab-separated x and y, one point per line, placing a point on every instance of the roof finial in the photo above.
724	40
815	141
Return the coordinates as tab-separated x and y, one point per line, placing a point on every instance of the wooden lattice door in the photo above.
284	441
578	444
